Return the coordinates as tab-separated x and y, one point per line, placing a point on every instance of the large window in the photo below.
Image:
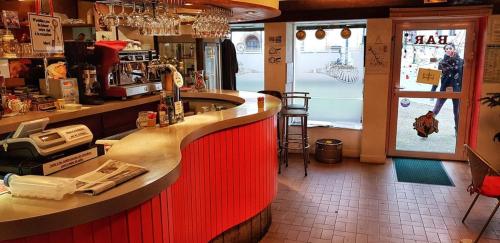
249	43
332	71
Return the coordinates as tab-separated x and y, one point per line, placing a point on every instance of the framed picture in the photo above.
10	19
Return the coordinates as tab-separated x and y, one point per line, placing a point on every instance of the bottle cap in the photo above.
6	179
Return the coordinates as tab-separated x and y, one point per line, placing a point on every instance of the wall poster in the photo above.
46	34
275	49
377	56
492	64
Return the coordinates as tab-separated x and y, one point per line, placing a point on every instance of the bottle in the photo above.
163	110
39	186
171	110
1	107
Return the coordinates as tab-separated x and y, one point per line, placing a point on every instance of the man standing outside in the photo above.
451	79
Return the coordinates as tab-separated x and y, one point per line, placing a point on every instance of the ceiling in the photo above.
287	5
313	10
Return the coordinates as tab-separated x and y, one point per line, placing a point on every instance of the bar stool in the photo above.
288	112
278	95
289	104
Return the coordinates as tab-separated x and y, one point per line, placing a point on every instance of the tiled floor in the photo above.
357	202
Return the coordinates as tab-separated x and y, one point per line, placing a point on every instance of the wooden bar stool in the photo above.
299	111
278	95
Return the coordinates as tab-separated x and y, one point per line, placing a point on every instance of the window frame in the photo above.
312	26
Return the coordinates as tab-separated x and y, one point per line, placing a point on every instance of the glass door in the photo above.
212	66
431	89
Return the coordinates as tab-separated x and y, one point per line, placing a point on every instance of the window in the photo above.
248	41
332	71
252	43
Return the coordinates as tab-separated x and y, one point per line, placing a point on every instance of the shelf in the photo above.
13	58
77	25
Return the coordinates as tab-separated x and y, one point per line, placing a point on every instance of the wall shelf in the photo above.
33	57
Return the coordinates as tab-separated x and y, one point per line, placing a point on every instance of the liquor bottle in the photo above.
163	110
171	110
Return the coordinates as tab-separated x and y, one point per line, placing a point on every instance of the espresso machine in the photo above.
125	73
91	88
80	57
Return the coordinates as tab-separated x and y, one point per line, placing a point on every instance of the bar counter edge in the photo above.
184	175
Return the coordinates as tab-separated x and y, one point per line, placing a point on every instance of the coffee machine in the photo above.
91	87
125	73
81	61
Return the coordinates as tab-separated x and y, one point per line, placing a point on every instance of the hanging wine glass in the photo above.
176	23
131	16
122	16
111	19
137	19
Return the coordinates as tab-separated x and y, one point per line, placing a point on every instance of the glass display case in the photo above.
212	65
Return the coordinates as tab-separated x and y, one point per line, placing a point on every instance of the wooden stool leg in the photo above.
306	137
280	147
285	142
304	142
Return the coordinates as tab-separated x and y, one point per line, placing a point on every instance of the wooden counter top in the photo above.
158	149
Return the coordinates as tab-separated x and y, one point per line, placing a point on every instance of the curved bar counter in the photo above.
206	175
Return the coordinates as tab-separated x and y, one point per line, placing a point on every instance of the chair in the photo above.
300	111
485	181
278	95
290	97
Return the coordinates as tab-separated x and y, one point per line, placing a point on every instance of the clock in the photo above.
345	32
301	35
320	34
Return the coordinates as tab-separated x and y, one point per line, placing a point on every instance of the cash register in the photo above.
32	149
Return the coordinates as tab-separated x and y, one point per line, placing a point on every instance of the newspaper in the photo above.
107	176
3	188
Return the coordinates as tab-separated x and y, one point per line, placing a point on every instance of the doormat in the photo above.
424	171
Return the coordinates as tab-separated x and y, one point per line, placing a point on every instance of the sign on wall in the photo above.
428	76
274	51
377	55
492	64
46	34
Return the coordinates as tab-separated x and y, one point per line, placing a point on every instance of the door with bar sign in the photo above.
431	89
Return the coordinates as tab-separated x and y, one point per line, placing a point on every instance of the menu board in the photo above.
46	34
492	64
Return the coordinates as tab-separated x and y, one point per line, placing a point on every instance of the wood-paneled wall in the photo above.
68	7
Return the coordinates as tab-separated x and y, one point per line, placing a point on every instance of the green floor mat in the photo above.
424	171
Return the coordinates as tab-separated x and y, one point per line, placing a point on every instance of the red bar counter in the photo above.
207	175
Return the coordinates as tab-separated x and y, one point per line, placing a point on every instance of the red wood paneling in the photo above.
61	236
119	228
83	233
102	230
134	225
226	178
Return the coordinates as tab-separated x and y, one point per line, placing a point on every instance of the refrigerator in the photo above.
212	68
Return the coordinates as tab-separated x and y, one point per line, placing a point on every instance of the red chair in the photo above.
485	181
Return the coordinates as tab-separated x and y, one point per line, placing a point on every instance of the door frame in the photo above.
471	25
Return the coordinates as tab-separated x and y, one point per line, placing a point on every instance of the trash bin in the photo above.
328	150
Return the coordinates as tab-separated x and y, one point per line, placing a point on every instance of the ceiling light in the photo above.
188	4
434	1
